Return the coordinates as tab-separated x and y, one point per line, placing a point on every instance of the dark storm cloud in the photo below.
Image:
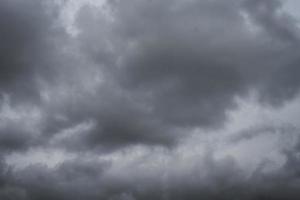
27	33
13	139
185	63
72	180
108	121
160	94
28	29
166	68
253	132
269	15
178	67
170	67
207	178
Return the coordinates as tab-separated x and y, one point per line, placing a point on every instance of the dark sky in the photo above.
149	100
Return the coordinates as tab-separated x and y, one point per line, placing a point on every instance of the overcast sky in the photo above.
149	100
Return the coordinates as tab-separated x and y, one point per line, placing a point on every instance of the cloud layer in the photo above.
149	100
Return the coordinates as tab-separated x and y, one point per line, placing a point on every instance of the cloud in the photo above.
160	176
27	42
177	68
140	98
185	63
270	16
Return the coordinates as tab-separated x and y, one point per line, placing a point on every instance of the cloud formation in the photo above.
146	97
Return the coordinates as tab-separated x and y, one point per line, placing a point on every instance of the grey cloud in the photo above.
252	132
18	126
14	139
173	98
166	68
27	40
207	178
169	69
269	15
283	85
71	180
176	68
186	63
116	122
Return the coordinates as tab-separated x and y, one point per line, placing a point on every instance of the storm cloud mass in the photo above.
149	99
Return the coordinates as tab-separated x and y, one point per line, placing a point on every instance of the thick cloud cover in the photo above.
126	100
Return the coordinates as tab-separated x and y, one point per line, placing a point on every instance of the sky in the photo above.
149	99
